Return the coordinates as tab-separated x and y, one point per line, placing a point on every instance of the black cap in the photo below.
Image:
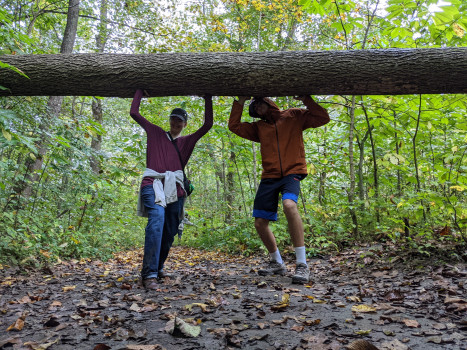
180	113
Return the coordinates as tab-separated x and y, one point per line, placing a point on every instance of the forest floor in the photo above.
389	297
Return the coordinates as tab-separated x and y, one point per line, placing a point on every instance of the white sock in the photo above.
276	256
300	255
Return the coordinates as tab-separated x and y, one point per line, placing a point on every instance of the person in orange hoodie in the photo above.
280	134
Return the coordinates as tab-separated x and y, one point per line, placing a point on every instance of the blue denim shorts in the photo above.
267	196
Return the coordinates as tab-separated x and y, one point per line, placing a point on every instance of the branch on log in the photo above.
359	72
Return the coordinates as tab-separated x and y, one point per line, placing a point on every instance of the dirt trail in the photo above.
217	301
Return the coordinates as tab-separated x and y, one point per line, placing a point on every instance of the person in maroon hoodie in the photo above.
280	134
162	192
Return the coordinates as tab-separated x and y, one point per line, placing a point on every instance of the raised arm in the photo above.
315	115
246	130
208	118
134	110
187	143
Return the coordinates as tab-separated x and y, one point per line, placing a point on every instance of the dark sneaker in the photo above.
273	268
151	283
163	274
301	275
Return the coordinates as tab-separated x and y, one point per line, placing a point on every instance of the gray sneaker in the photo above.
301	275
273	268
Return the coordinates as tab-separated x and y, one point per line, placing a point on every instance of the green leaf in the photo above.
6	134
13	68
338	26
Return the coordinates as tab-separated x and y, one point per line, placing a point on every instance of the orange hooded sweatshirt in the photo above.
280	135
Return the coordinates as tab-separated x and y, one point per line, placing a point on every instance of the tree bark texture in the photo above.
283	73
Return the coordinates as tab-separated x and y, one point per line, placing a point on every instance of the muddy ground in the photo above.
391	298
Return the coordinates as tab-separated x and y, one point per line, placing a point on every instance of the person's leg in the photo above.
290	192
294	221
153	234
265	210
172	221
265	233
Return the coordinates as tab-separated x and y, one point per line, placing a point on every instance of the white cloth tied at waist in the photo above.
165	193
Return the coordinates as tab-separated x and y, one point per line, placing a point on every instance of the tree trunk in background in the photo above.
255	167
414	145
279	73
351	192
399	179
101	40
53	106
230	195
375	165
361	187
322	175
96	142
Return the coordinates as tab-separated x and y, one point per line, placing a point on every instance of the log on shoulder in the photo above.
358	72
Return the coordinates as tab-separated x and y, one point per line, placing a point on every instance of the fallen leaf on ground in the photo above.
361	344
204	307
101	347
144	347
363	308
297	328
68	288
354	298
41	345
18	324
178	327
283	303
393	345
411	323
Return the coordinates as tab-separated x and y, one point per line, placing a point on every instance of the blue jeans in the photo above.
160	232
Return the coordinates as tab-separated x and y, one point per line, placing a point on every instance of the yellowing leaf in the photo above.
458	30
45	253
354	298
283	303
318	301
363	332
363	308
6	134
68	288
203	307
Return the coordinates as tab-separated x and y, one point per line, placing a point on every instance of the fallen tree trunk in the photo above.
358	72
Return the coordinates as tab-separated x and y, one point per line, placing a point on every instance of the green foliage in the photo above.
411	173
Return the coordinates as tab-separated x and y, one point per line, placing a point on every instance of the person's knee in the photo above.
261	224
289	206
